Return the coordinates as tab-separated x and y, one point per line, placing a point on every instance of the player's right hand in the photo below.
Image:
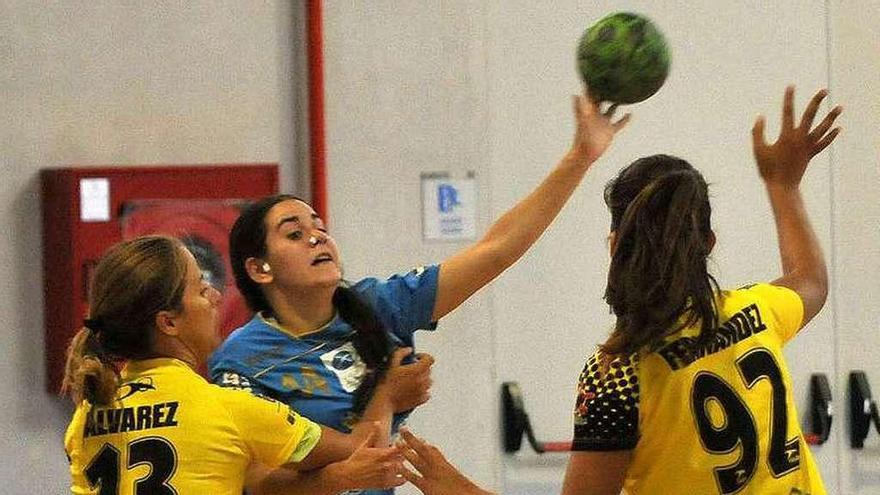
594	129
408	385
433	474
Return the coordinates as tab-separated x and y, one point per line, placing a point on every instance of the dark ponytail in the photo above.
248	240
370	339
658	281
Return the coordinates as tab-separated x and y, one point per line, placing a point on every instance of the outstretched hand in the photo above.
594	128
784	162
434	475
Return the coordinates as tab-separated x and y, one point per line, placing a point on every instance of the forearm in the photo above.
508	238
803	266
282	481
378	414
333	446
336	446
519	228
799	247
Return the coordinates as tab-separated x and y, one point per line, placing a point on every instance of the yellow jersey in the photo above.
170	432
717	418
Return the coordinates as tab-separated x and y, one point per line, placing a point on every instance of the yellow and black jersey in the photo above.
171	432
704	418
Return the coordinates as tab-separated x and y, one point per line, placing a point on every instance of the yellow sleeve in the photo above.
273	432
782	306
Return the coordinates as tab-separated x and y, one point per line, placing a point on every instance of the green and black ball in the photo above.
623	58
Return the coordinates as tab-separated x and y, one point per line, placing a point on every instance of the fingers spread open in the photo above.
415	479
609	112
825	141
758	139
389	454
412	441
820	130
414	458
788	109
812	108
620	124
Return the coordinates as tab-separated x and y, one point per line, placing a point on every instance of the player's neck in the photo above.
170	347
303	312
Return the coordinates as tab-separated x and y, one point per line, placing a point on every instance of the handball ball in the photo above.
623	58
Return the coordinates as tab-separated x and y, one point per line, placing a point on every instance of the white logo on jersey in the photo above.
348	366
234	380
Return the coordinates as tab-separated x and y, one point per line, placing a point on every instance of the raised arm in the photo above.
782	166
511	235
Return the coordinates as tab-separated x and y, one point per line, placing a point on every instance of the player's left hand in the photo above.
784	162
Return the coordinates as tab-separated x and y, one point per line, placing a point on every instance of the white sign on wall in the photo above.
94	200
448	207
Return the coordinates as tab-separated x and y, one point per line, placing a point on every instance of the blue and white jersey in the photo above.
317	374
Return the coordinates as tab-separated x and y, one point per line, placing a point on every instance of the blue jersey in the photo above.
318	373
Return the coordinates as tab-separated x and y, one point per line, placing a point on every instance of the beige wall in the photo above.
85	82
484	86
855	82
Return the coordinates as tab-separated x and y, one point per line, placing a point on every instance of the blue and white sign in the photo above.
448	207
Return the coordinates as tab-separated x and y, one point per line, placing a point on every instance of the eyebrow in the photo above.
295	219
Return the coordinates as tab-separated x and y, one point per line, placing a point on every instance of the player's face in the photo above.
299	251
198	317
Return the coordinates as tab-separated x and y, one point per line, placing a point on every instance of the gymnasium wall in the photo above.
484	86
455	86
855	81
105	82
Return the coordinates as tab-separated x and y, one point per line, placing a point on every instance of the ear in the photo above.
166	323
711	240
257	270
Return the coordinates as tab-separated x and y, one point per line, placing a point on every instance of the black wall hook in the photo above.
862	409
821	411
515	422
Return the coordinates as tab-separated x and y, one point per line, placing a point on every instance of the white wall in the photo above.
501	73
406	87
855	74
459	85
86	82
730	62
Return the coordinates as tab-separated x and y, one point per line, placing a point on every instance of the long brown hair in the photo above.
133	282
658	281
